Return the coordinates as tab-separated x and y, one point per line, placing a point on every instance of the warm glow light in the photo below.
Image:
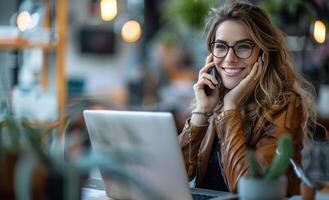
131	31
319	31
35	18
23	20
109	9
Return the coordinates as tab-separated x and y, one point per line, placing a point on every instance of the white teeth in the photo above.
233	70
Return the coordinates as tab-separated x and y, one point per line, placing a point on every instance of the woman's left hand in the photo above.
234	98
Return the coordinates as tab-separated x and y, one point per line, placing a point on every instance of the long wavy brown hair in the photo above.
278	77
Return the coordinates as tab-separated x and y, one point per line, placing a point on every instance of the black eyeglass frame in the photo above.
232	46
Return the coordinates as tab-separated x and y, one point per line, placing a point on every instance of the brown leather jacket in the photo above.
196	142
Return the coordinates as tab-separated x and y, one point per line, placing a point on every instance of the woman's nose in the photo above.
231	57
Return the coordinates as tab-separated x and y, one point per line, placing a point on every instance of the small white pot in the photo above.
259	189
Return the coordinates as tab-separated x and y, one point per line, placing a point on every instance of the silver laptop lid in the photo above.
153	133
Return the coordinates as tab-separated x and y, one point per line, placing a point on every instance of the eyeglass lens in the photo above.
241	50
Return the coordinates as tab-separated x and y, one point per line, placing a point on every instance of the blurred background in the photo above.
59	57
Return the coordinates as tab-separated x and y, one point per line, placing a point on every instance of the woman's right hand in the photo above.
206	103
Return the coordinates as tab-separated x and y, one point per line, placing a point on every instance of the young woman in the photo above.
256	98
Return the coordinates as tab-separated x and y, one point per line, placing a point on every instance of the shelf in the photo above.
17	42
21	43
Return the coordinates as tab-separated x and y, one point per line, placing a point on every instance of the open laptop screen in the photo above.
152	133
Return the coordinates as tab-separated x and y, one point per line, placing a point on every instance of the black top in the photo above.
213	179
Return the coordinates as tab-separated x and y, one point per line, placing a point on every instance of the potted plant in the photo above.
267	183
35	167
11	149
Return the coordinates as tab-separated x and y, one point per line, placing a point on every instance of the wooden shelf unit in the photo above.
59	47
19	43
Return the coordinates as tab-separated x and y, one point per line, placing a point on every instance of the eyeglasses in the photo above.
242	49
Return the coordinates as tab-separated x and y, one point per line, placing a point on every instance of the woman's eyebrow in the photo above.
221	41
242	40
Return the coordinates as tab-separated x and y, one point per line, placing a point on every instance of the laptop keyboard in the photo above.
202	196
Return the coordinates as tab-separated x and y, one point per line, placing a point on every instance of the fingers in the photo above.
208	77
259	69
206	68
208	83
209	63
209	59
255	71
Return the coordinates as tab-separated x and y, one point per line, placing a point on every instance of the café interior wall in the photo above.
6	10
103	75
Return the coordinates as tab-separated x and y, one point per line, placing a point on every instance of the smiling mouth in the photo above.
232	71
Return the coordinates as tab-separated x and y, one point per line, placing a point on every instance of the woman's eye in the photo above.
243	46
220	46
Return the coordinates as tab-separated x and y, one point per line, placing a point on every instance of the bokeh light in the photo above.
319	31
109	9
131	31
23	20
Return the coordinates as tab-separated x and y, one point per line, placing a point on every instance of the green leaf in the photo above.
72	183
14	130
282	158
254	170
23	176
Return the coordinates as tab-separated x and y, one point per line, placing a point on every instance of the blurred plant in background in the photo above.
289	12
307	19
36	165
187	15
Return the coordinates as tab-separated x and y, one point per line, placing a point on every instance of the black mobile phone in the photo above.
261	55
212	71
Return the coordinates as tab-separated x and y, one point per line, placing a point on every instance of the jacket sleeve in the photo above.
189	141
234	148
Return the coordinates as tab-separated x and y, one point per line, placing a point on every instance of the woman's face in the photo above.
231	68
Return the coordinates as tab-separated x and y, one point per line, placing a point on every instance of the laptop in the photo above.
153	136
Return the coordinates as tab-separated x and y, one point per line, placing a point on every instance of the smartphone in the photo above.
212	71
261	55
